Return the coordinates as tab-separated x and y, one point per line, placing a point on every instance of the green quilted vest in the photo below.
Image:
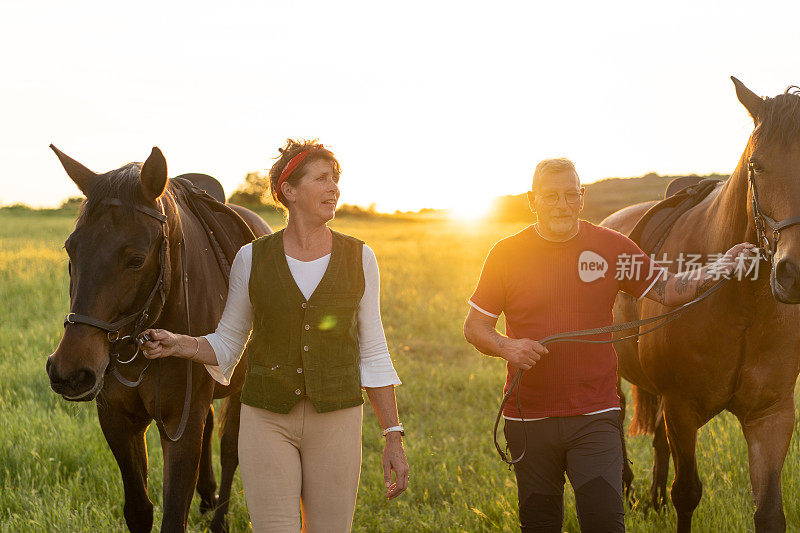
304	347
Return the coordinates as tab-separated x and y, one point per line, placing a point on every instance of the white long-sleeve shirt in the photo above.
234	327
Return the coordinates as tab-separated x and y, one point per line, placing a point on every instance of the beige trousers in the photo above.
303	463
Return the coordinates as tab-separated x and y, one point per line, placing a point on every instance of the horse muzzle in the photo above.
785	281
80	385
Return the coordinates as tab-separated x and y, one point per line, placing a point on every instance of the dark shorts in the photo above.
588	448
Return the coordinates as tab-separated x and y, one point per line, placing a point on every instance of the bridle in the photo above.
138	318
141	321
762	222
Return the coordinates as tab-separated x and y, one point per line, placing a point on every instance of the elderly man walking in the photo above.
554	276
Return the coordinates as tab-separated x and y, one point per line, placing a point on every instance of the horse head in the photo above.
118	268
772	163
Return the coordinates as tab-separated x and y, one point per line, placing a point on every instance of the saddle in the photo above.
225	238
207	183
682	194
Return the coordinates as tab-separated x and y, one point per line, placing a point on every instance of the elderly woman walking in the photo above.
310	296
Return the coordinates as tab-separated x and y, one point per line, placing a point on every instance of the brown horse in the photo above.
738	350
140	257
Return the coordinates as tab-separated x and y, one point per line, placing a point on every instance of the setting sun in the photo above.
471	209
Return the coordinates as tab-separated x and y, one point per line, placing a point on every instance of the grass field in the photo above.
57	473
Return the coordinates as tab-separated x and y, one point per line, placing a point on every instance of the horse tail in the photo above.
646	408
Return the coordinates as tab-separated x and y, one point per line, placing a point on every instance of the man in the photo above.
555	276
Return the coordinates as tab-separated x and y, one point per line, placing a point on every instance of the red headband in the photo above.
291	167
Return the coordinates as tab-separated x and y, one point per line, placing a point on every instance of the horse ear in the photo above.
154	175
750	100
82	176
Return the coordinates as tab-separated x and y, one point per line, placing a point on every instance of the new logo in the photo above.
591	266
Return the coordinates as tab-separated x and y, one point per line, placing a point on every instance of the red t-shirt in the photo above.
546	287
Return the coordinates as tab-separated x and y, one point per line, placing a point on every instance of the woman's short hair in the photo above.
291	149
547	167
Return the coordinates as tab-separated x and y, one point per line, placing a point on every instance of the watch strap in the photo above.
394	428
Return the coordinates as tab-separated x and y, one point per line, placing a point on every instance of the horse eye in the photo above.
135	262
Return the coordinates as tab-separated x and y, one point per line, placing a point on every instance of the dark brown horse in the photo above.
133	242
740	349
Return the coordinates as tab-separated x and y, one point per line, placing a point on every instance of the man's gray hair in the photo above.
552	166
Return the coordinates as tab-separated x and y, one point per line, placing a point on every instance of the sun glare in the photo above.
471	209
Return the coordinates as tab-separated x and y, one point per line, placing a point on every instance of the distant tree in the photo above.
73	202
17	208
253	193
348	210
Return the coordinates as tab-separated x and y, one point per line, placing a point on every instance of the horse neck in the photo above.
730	211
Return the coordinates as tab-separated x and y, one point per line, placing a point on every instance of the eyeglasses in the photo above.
571	197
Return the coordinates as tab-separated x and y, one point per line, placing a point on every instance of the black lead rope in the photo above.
569	336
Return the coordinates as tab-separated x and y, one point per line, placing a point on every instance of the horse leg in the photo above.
627	472
768	435
682	425
229	457
658	488
125	437
206	484
181	465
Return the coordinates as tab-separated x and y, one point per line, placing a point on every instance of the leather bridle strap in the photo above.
114	327
158	215
768	247
111	327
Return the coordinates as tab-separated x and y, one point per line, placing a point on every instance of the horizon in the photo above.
454	212
422	111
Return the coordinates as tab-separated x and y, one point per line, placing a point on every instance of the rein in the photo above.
140	317
570	336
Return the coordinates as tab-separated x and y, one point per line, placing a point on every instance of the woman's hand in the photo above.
394	458
164	344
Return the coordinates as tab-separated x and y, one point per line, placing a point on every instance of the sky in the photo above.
425	104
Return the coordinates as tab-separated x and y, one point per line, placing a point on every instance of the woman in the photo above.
311	297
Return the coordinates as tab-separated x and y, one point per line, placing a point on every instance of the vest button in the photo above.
307	327
299	370
303	305
297	391
305	348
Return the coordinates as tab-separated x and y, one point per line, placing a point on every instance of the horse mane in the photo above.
122	183
779	117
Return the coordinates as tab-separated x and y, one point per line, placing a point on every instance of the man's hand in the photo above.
678	289
480	331
523	353
734	258
394	458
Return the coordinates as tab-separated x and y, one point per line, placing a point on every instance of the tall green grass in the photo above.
57	473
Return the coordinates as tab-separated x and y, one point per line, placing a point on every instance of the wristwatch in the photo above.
398	427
